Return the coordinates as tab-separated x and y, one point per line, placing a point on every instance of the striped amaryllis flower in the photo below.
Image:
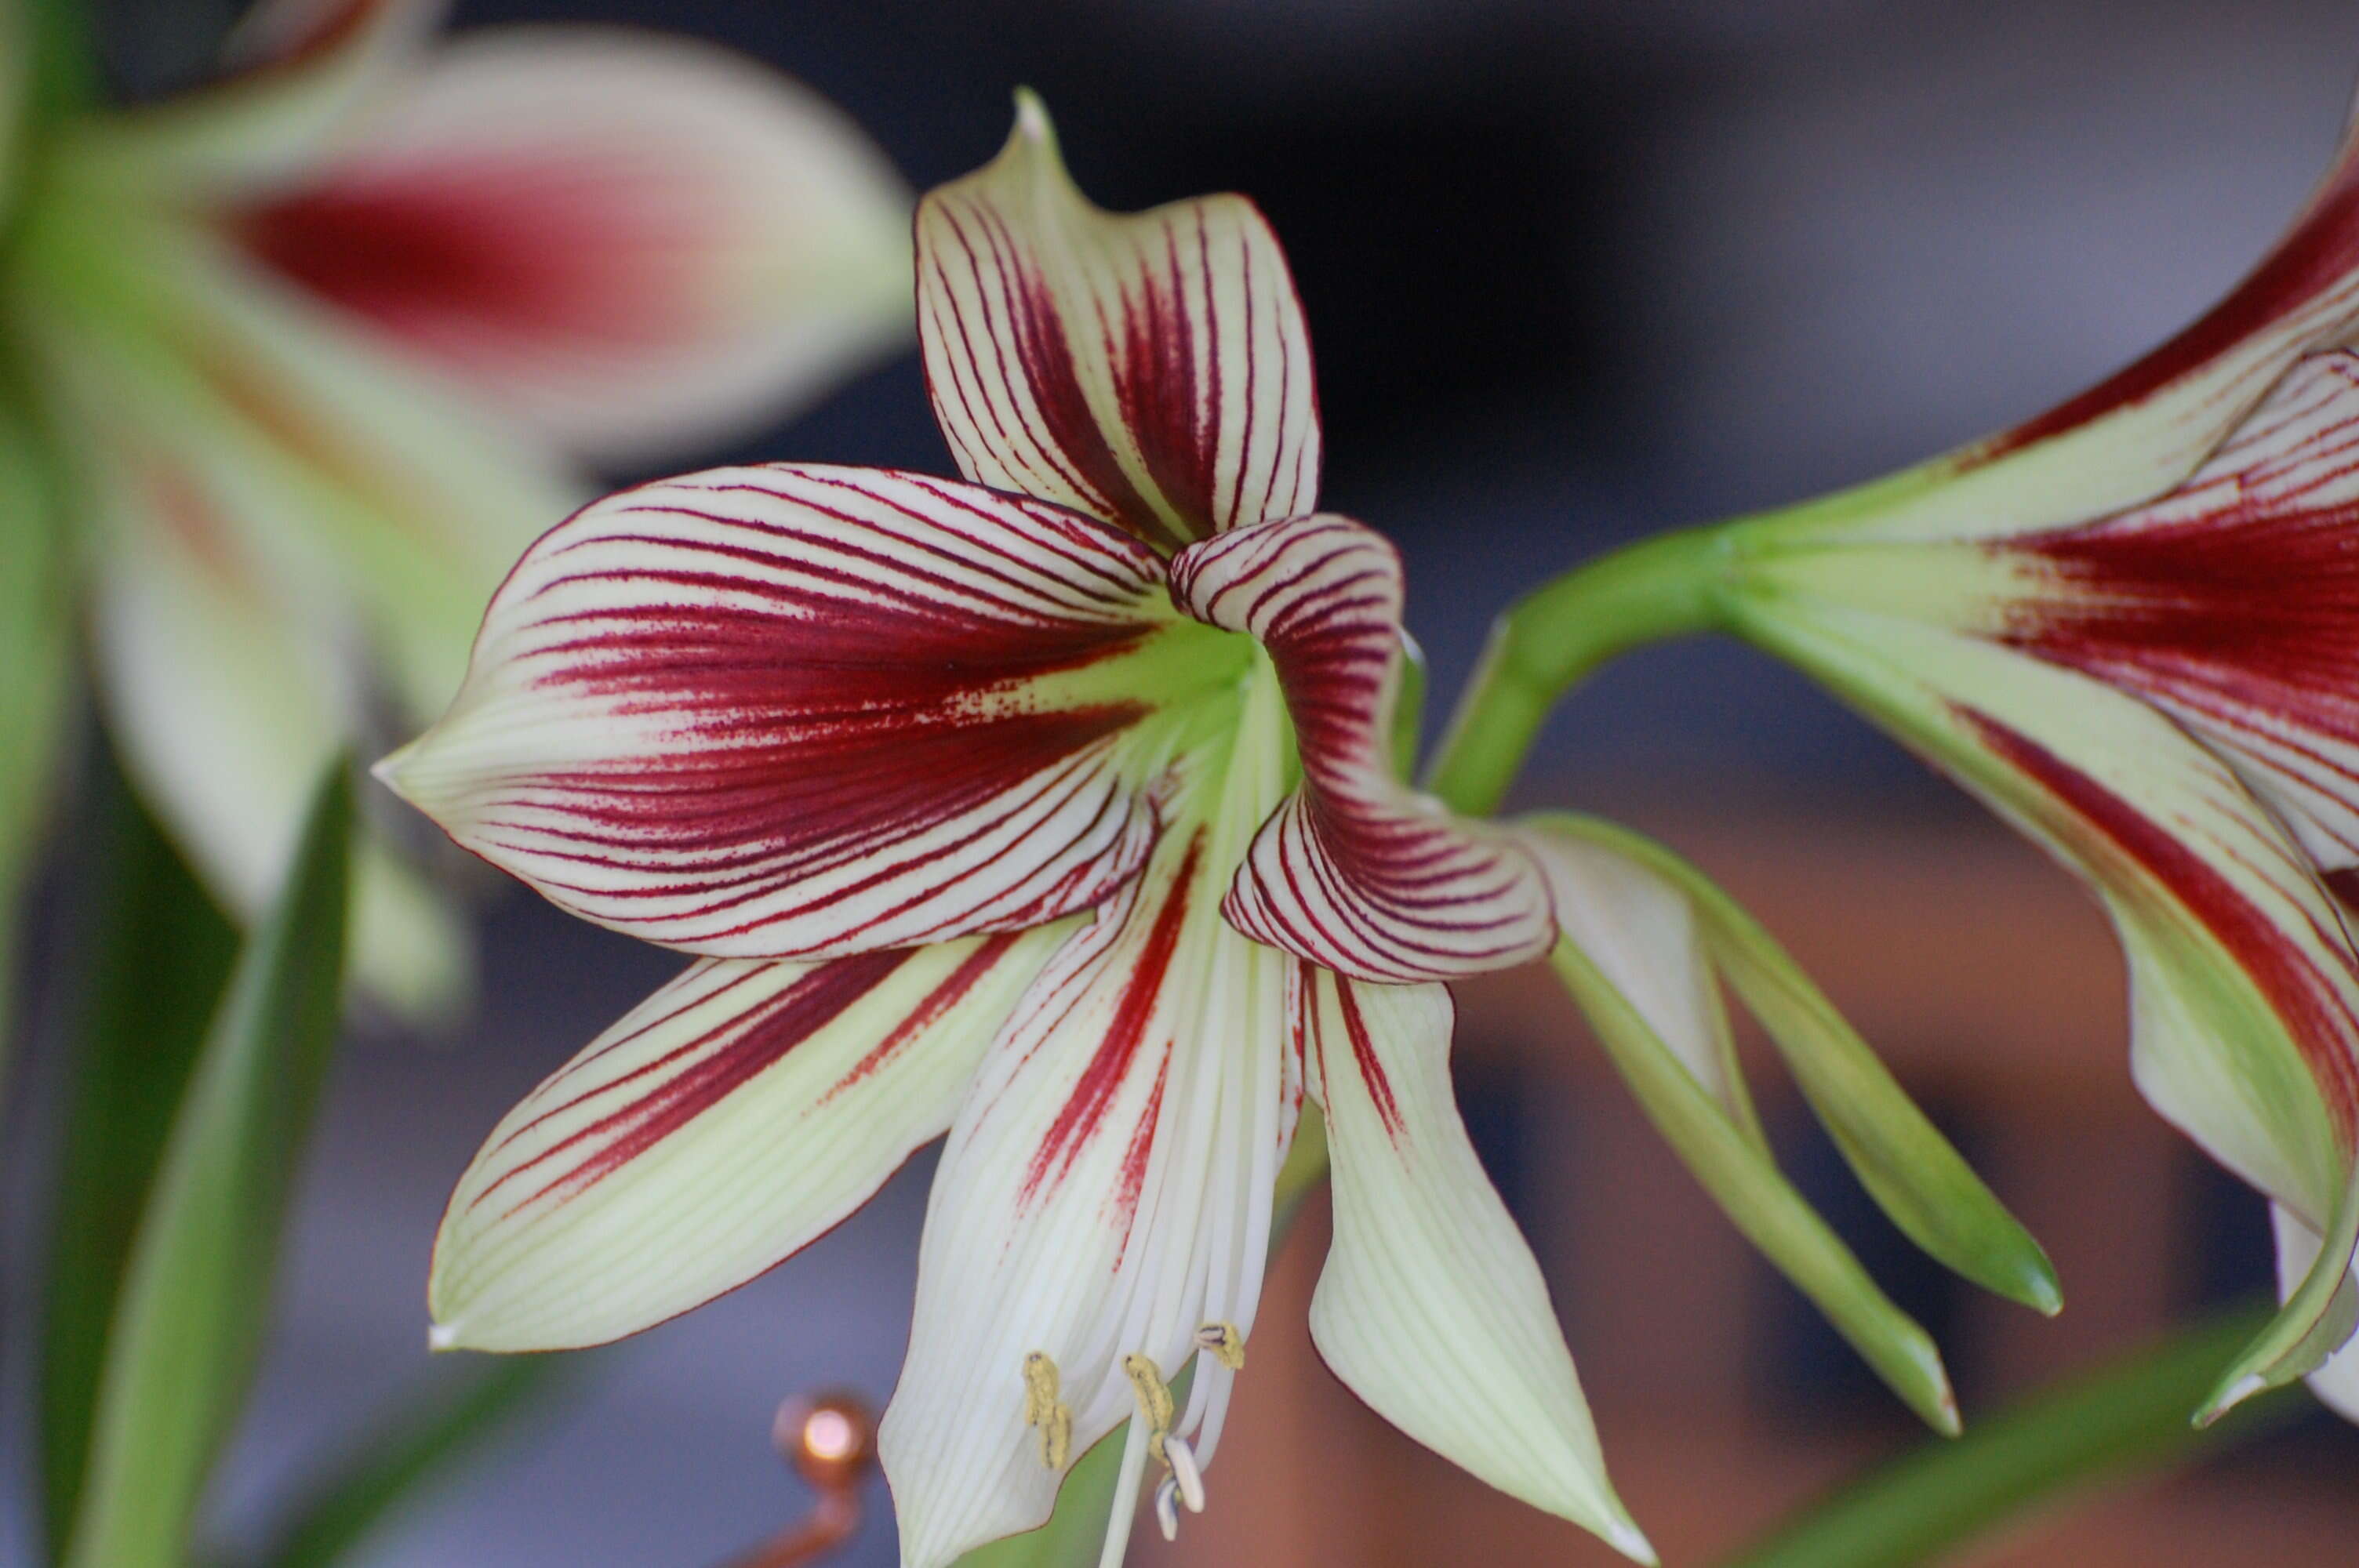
322	342
1053	809
2132	624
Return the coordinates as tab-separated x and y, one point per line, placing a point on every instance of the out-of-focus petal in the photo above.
1151	369
795	711
1356	872
300	73
2233	603
728	1120
1105	1193
2245	987
223	716
1431	1307
625	242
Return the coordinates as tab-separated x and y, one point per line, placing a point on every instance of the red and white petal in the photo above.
724	1123
2233	603
795	711
1356	872
2244	981
1105	1193
1431	1307
1151	369
2143	430
300	74
625	241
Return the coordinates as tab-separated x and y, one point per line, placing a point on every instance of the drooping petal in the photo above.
1431	1307
625	241
300	73
2336	1383
1105	1193
2233	603
2141	431
1662	934
728	1120
1356	872
800	711
2244	987
1150	369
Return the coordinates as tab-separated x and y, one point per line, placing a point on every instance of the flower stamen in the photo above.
1044	1409
1225	1342
1155	1406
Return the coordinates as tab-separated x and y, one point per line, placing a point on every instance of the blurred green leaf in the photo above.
196	1291
1757	1198
1077	1530
2129	1415
36	639
156	953
414	1447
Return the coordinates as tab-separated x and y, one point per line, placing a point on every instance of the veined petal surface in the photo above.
2141	431
730	1118
1431	1307
624	241
2243	984
799	710
1356	872
1150	369
2233	603
1106	1189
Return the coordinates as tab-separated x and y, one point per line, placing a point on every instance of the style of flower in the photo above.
1053	809
2132	626
320	343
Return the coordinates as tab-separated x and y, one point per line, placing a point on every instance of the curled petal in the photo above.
795	711
1355	872
2336	1382
1431	1307
625	242
728	1120
1104	1194
2233	603
1150	369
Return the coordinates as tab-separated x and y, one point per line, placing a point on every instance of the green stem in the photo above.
1657	588
2129	1415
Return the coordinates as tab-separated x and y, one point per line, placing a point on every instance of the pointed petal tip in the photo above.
1032	122
442	1337
1624	1536
2235	1388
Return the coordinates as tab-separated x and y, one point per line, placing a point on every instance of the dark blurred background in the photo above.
1575	270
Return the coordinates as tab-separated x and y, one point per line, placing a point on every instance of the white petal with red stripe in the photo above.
2233	603
1431	1307
2244	981
730	1118
1152	369
1356	872
1105	1193
798	710
625	241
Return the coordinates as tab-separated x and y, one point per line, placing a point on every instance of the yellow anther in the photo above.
1226	1341
1155	1406
1045	1410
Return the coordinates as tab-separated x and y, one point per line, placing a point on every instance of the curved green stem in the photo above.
1657	588
2129	1415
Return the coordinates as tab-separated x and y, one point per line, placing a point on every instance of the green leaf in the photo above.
156	955
36	638
2129	1415
1076	1530
1914	1173
417	1447
1746	1184
196	1294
